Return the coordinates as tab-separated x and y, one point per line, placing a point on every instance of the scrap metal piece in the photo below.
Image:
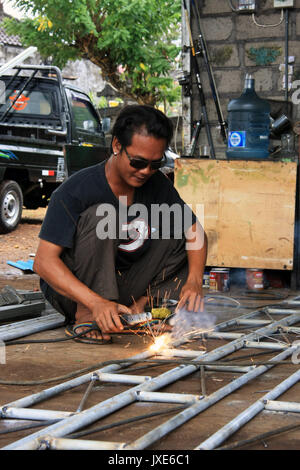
9	296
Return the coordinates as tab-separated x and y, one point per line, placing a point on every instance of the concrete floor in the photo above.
36	362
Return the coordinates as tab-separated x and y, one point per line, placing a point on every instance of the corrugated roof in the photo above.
5	38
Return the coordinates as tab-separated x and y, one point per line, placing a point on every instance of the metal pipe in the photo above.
54	443
18	59
28	327
272	405
94	378
224	335
281	311
241	369
125	379
33	414
220	436
180	352
167	397
251	321
265	345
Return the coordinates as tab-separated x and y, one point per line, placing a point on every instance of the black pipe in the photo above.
199	85
286	54
205	55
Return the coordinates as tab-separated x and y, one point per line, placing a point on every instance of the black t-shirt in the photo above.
157	211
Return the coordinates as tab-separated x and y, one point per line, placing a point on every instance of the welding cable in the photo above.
56	340
230	300
126	421
259	437
158	362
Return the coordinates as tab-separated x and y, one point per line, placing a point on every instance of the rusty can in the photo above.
219	279
255	279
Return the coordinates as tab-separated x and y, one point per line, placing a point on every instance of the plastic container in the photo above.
248	125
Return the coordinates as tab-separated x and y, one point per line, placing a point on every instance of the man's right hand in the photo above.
106	313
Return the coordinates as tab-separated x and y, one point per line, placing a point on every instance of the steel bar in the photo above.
281	311
94	378
180	352
18	59
53	443
202	378
33	414
122	378
8	312
28	327
234	369
193	410
223	335
251	321
274	405
265	345
220	436
167	397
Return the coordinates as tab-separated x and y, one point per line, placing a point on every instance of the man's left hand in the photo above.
191	296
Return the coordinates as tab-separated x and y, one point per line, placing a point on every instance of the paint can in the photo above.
255	279
219	279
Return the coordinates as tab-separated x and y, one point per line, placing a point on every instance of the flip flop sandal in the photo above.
90	325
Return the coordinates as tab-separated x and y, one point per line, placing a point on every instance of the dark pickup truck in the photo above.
48	130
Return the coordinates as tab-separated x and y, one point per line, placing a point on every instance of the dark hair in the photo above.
133	119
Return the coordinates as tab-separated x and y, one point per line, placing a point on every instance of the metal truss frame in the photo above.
146	388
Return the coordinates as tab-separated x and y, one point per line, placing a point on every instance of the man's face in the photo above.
145	148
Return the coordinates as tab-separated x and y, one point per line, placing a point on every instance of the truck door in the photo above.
88	143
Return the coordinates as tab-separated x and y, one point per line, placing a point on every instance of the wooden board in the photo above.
248	209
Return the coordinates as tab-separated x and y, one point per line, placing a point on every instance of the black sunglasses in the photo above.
140	163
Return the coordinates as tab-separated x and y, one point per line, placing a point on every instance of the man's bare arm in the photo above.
49	266
191	295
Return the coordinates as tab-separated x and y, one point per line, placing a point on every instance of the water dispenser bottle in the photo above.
248	125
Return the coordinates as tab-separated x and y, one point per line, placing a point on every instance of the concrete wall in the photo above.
238	46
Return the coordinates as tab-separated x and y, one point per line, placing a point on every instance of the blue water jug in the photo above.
248	125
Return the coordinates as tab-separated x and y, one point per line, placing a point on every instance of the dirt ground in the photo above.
21	245
36	362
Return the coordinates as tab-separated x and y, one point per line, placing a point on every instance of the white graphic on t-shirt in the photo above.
138	232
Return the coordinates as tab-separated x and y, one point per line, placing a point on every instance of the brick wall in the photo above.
238	46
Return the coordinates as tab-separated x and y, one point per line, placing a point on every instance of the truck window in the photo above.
34	102
84	115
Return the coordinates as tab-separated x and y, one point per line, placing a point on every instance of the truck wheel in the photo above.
11	205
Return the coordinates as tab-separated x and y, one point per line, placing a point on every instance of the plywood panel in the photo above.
249	209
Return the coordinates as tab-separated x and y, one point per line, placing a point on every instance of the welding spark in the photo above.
160	342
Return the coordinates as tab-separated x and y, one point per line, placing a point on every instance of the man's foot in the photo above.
84	315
